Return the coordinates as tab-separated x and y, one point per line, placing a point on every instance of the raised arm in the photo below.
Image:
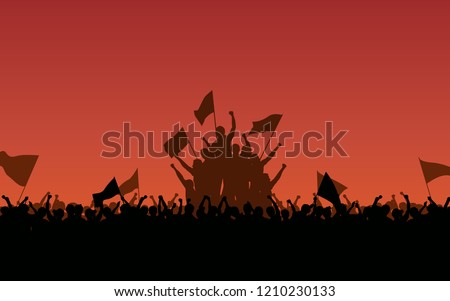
174	198
47	208
222	202
162	203
431	200
7	201
115	208
133	199
32	207
277	209
141	201
180	207
271	155
352	205
347	200
44	198
179	175
408	206
154	201
294	210
423	207
233	122
447	202
377	199
278	176
24	200
185	166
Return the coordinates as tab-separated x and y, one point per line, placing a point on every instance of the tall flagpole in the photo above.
426	183
192	148
21	194
267	145
139	186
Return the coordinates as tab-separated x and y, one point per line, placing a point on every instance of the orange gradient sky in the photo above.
72	70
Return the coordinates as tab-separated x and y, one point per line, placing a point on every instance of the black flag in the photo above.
268	124
328	191
111	190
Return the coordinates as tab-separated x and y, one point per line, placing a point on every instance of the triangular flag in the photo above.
111	190
339	186
432	170
176	144
18	168
206	108
328	191
131	184
268	124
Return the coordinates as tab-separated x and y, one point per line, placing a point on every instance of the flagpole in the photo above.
139	186
21	194
267	145
192	148
426	183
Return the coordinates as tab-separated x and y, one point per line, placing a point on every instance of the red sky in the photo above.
72	70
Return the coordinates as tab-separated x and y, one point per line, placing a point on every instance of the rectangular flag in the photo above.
206	108
176	144
130	184
432	170
328	191
18	168
339	186
111	190
268	124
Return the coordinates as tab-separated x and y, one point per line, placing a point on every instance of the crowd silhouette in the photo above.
186	241
227	169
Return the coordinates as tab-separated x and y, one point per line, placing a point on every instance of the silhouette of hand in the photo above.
401	193
25	199
284	165
172	165
344	195
289	202
425	204
231	113
176	194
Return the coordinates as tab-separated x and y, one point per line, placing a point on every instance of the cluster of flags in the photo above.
180	140
20	168
112	189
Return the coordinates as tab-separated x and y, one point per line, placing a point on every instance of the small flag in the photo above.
131	184
328	191
18	168
206	108
176	144
268	124
432	170
111	190
339	187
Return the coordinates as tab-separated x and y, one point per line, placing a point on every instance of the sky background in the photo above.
72	70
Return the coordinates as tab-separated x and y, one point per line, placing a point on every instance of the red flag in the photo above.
432	170
18	168
339	187
176	144
206	108
130	184
111	190
268	124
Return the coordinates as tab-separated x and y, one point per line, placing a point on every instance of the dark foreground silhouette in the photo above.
177	241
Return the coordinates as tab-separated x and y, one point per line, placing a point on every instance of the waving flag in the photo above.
206	108
18	168
111	190
176	144
432	170
268	124
339	187
131	184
